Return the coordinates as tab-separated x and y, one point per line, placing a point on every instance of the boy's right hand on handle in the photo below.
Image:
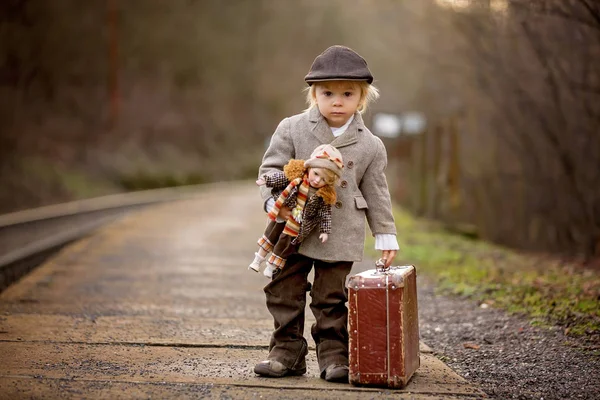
284	213
388	257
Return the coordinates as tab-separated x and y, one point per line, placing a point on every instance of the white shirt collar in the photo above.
338	131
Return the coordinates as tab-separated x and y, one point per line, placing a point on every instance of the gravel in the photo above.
505	356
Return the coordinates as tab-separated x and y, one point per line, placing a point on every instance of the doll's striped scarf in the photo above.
292	227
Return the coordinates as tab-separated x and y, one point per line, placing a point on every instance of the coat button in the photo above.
344	184
350	164
338	204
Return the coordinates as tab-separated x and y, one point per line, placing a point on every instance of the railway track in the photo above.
29	237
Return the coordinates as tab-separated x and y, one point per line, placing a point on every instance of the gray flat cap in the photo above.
338	63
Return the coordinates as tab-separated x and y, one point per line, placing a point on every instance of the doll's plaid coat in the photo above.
315	213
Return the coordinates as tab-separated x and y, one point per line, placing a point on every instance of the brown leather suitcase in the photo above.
383	326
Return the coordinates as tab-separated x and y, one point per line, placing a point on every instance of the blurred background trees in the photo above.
523	84
110	95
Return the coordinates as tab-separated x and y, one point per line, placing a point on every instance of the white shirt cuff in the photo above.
386	241
269	204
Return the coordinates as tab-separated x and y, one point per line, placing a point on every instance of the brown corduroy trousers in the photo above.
286	301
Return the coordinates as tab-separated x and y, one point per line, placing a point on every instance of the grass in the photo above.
144	180
75	184
545	289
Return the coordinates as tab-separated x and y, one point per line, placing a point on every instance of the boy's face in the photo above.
337	101
317	178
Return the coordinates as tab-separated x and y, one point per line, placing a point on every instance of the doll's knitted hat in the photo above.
328	157
338	63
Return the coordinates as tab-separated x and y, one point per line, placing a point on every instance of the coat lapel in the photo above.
351	135
319	126
322	131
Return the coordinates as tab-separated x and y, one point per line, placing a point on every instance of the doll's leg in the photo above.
274	264
330	332
266	243
282	250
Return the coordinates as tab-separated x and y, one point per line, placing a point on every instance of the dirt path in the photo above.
506	356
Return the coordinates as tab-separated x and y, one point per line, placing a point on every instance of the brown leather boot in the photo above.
336	373
275	369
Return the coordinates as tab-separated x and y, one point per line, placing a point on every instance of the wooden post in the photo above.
422	207
113	60
454	168
435	173
413	175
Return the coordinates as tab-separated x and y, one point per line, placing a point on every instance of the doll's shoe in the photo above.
275	369
269	270
256	263
336	373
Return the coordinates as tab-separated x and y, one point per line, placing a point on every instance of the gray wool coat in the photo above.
362	192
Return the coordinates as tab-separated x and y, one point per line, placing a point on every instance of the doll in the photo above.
307	187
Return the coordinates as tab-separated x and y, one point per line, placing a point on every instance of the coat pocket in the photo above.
361	203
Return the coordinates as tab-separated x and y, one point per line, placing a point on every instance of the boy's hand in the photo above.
260	181
323	237
284	213
388	257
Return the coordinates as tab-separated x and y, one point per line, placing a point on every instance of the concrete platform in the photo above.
160	304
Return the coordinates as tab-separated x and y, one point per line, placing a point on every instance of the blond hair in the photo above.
368	94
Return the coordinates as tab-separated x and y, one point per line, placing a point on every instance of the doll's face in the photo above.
318	177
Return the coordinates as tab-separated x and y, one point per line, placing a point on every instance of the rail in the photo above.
28	237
